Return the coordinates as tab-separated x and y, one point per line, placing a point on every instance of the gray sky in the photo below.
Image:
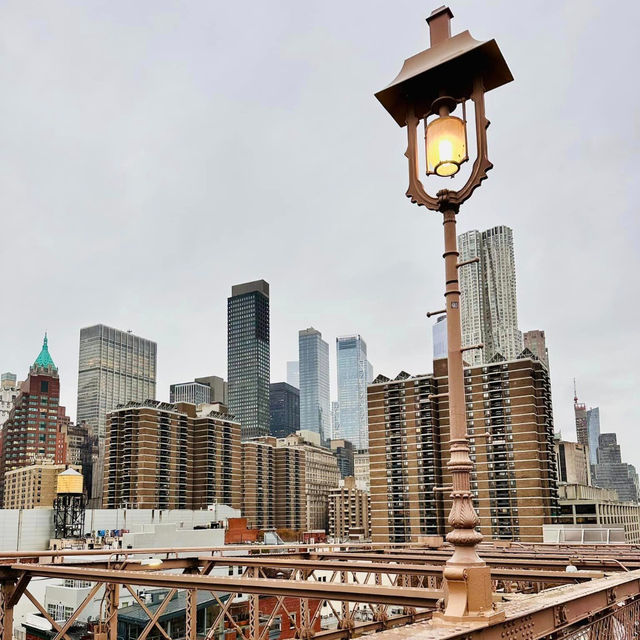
154	153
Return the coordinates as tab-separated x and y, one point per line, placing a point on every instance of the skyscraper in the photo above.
611	473
293	373
114	367
535	341
489	311
285	409
593	433
248	357
35	427
439	334
353	377
580	413
315	409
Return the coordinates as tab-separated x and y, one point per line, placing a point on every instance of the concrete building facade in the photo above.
511	437
361	471
193	392
587	506
9	390
572	462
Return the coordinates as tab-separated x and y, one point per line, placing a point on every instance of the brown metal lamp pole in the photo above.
432	84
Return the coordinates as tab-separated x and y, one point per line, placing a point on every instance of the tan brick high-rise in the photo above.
349	512
510	426
259	482
169	456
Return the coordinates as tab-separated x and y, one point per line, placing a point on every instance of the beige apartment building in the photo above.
171	456
510	426
33	486
349	512
259	483
273	485
290	491
322	476
287	481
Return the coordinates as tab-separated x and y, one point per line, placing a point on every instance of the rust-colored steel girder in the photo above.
277	562
409	597
570	609
288	548
505	560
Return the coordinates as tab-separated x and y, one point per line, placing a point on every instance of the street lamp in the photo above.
431	86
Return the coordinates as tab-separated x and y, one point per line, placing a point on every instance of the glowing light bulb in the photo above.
445	151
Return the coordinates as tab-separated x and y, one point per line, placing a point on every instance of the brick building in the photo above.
36	426
171	456
510	427
32	486
349	512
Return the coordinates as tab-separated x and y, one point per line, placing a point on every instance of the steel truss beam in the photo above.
425	598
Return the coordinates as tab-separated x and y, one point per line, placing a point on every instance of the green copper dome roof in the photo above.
44	359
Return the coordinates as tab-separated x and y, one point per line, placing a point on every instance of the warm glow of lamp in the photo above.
446	143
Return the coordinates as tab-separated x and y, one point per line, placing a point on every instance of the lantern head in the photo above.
445	139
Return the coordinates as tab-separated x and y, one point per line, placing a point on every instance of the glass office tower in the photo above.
354	374
114	367
315	408
248	357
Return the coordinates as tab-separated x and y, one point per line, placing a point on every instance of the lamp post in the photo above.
430	86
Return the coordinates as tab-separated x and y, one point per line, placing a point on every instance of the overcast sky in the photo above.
154	153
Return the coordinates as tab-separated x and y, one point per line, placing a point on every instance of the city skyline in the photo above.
121	176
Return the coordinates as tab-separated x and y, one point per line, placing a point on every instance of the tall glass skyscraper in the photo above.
114	367
315	408
248	357
354	374
593	431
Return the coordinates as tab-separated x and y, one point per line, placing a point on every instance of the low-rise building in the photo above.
33	486
583	505
349	512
